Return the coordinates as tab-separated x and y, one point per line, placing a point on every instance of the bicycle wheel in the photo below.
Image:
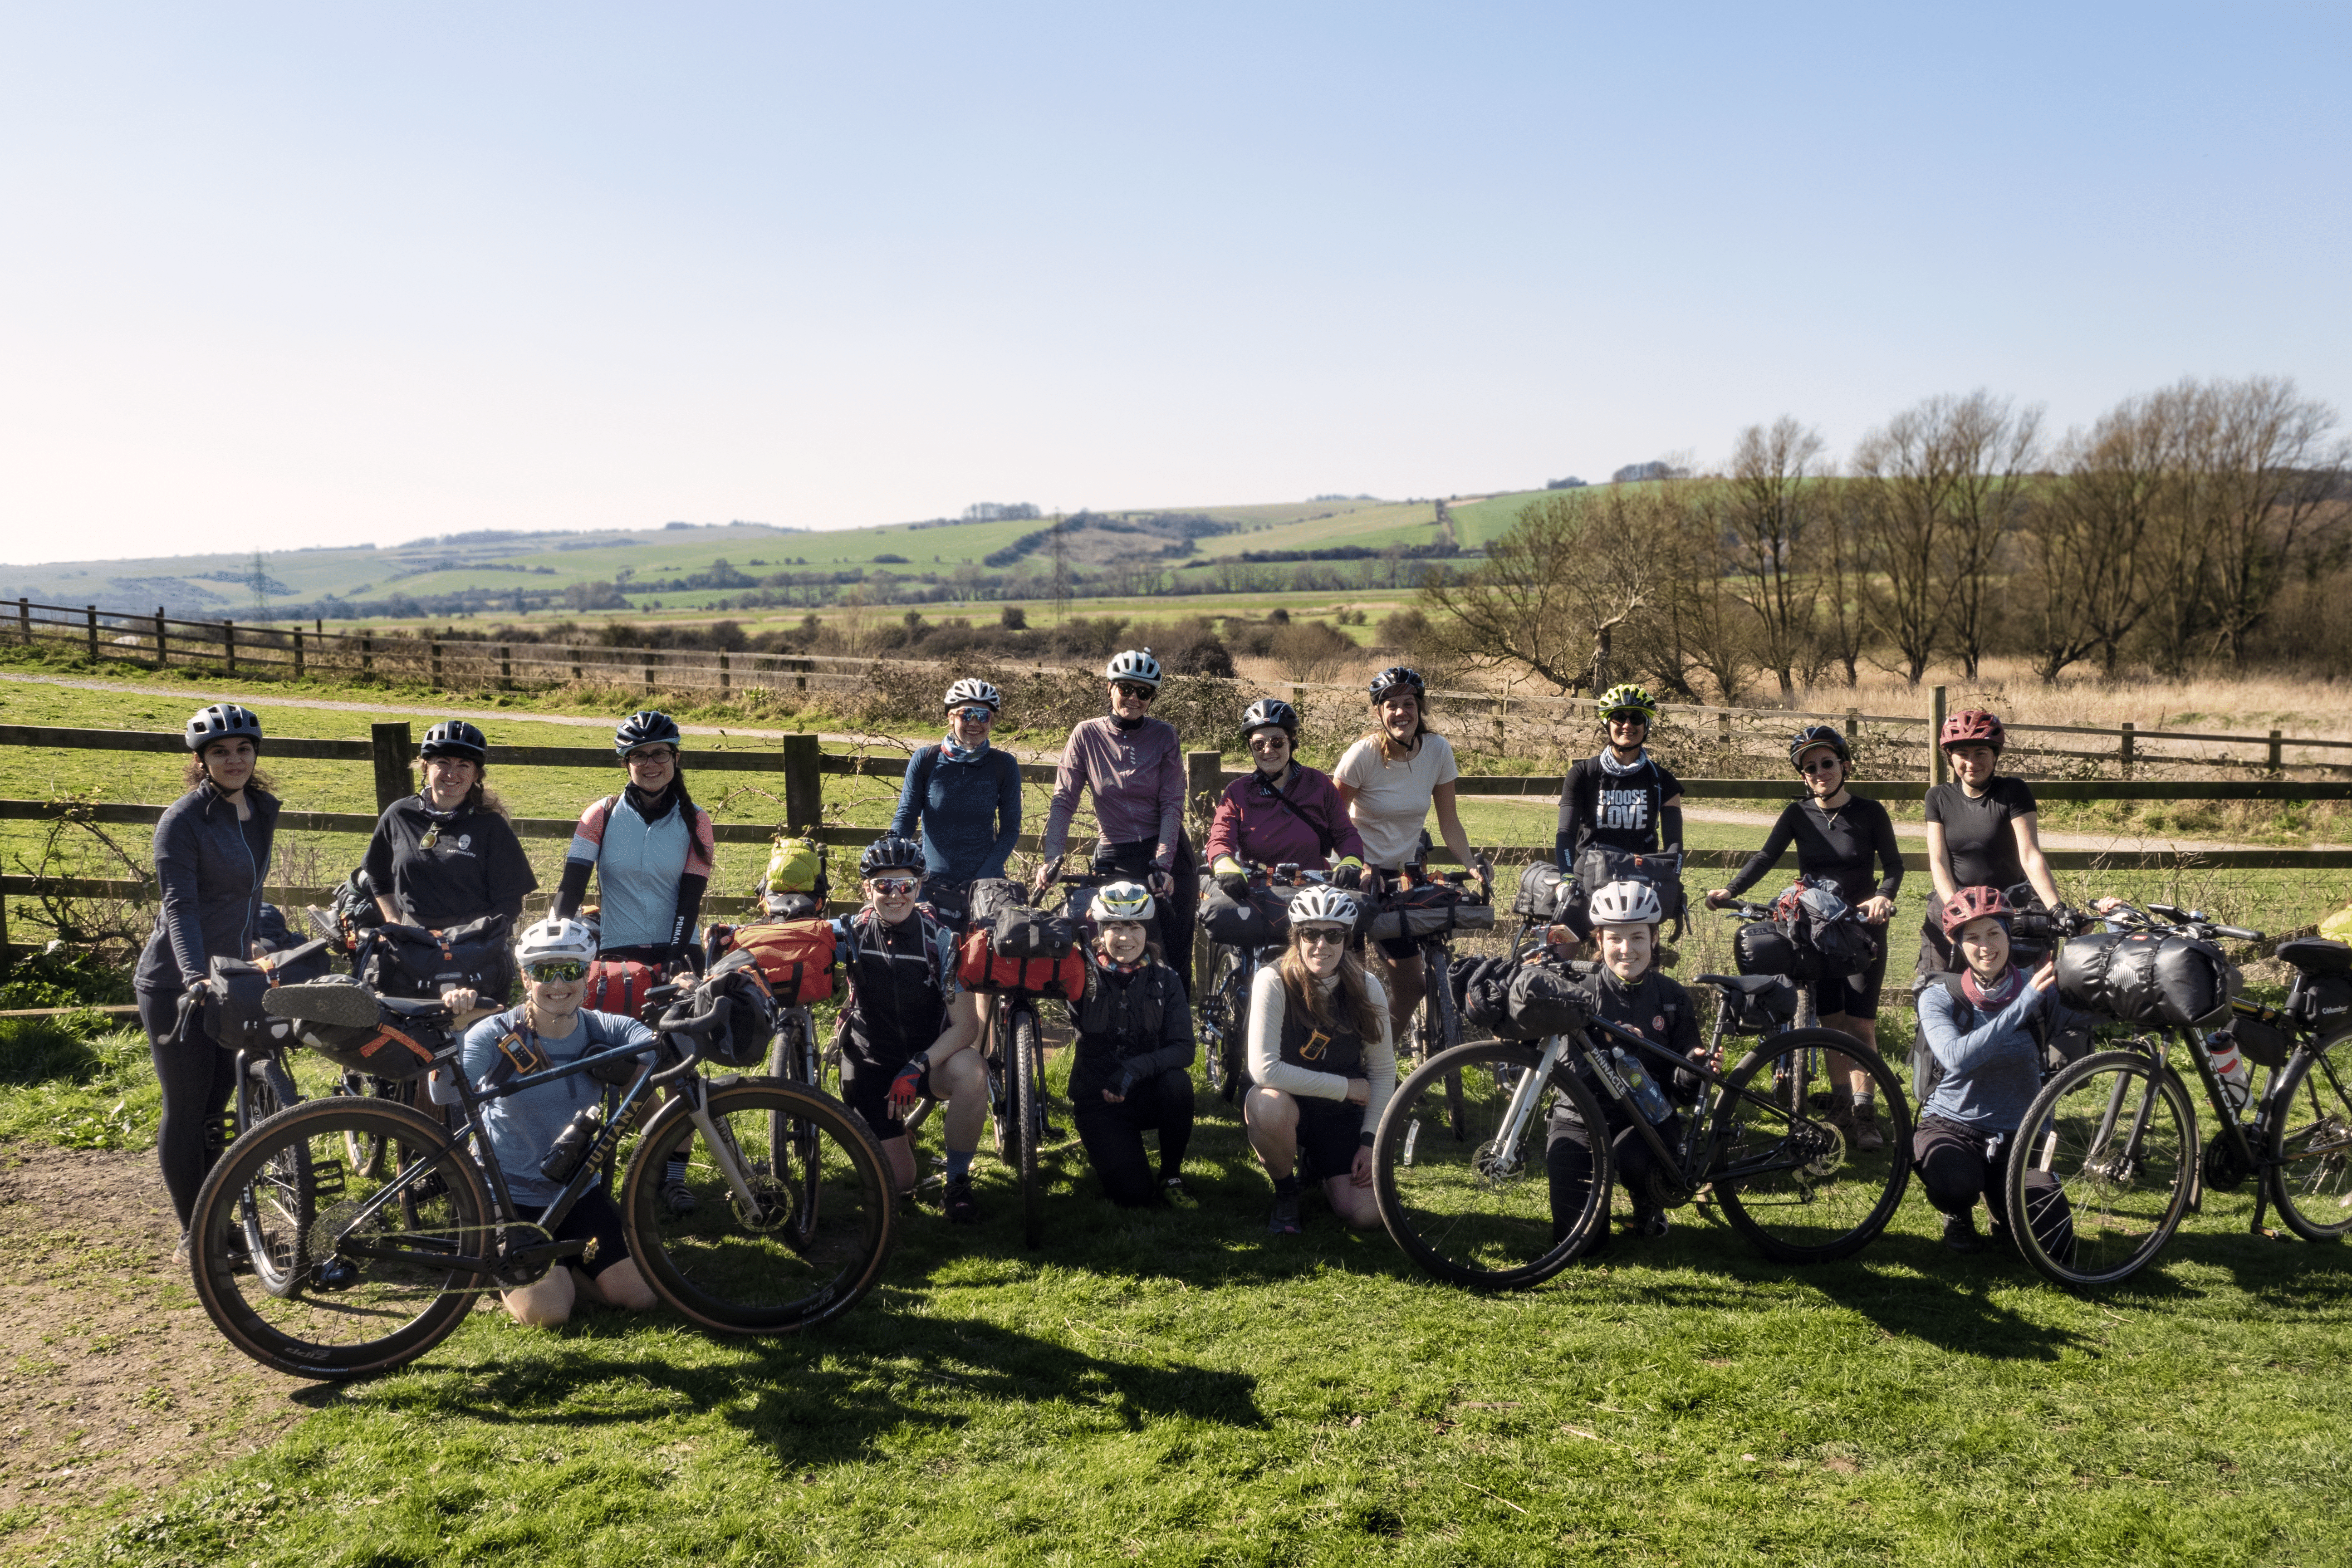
397	1292
2118	1137
797	1262
1441	1029
1026	1068
2311	1139
1464	1199
1785	1177
1224	1013
266	1090
793	1140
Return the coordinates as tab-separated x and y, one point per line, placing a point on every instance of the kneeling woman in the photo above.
1132	1070
1629	992
1982	1026
1322	1063
551	1024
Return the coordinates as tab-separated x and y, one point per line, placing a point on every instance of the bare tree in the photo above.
1774	498
1992	452
2267	473
2092	548
1554	592
1701	623
1057	552
1835	555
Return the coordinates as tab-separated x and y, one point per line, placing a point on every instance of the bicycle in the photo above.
1474	1208
1224	1002
439	1225
2117	1130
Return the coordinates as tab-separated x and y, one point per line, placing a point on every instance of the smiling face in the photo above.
1321	946
1824	773
448	779
652	767
1122	941
893	893
1985	945
1269	746
1627	731
228	763
1627	951
1130	701
971	723
1972	766
553	1000
1401	716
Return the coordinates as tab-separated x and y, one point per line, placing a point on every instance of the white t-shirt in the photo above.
1393	798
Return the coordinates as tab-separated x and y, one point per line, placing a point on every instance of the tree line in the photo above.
2200	522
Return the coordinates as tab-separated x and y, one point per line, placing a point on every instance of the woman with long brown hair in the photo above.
1322	1063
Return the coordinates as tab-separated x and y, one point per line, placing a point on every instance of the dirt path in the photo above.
110	1374
2102	842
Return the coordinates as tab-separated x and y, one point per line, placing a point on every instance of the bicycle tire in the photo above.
363	1157
266	1090
1442	1030
1227	1008
389	1311
1026	1065
1807	1196
779	1275
793	1140
2122	1207
1465	1210
2312	1180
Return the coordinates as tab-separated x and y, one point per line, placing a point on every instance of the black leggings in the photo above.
1568	1160
198	1079
1113	1134
1958	1164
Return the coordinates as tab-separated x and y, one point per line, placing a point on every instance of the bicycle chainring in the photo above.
2224	1170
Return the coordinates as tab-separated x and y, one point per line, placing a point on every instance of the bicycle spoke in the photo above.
2311	1142
1783	1174
2102	1169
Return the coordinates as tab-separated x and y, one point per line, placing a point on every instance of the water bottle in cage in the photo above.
1643	1090
2229	1066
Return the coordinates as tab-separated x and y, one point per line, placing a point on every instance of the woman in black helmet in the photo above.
447	855
212	857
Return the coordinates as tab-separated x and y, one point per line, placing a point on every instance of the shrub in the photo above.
1012	618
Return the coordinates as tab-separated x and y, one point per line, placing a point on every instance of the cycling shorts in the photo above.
598	1217
1329	1133
865	1089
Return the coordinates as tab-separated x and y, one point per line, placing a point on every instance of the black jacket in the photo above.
475	868
210	867
1117	1033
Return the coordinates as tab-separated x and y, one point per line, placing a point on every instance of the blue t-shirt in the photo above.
1993	1067
970	811
522	1127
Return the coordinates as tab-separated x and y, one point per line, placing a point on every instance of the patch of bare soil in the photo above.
111	1377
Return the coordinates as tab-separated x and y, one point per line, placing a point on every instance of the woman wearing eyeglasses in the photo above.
963	798
1838	834
1322	1063
1134	766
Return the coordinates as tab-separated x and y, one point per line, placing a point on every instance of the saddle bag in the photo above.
979	967
798	958
2147	977
405	960
1261	920
1542	1000
1754	1015
394	1047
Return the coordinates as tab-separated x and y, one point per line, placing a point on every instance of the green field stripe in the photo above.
171	740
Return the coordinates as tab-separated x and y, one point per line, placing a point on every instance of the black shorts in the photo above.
865	1089
597	1218
1852	996
1329	1133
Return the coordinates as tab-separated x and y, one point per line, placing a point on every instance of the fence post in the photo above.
228	644
25	619
506	666
1203	780
573	649
2274	754
297	653
803	786
392	781
649	675
435	645
367	654
1938	773
2127	750
93	634
1853	723
723	680
162	654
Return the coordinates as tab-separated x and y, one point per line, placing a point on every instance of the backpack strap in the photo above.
1322	829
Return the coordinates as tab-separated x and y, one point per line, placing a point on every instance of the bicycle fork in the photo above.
1503	1154
721	1142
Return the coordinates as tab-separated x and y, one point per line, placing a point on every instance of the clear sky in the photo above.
311	274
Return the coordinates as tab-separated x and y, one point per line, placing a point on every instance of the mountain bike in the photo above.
1466	1193
2117	1129
763	1251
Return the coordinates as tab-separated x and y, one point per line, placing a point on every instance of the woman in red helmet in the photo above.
1980	833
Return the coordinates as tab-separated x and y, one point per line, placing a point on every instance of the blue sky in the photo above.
272	275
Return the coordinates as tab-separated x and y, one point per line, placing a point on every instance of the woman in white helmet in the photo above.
1134	766
1322	1063
550	1029
962	797
1131	1066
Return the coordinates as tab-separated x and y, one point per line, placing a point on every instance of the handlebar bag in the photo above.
1024	933
1539	895
1430	909
990	896
1261	920
231	1009
738	988
1761	947
798	958
1541	1000
2147	977
982	968
1482	993
1598	865
404	960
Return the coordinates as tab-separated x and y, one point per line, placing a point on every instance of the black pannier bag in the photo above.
407	961
1761	947
1543	1000
2147	977
1539	895
1431	910
1021	932
1260	920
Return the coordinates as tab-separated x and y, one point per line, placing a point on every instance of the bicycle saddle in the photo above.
413	1006
2317	955
1745	984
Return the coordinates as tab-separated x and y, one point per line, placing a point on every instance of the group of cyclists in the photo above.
1325	1014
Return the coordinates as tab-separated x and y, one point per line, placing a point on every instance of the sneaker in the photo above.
1647	1224
676	1197
180	1253
962	1207
1960	1233
1172	1186
1283	1220
1867	1134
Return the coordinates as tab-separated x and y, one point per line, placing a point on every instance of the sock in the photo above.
1866	1100
960	1164
1286	1186
677	1168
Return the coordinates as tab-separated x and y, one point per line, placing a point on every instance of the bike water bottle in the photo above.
570	1145
441	1086
1640	1086
2229	1066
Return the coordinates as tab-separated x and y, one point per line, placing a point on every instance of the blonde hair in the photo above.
1355	1008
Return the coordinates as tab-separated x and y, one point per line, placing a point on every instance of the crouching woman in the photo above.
1132	1070
1983	1028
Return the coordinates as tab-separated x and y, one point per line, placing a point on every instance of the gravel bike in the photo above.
1466	1194
764	1250
2117	1129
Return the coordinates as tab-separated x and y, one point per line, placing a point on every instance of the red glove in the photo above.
907	1087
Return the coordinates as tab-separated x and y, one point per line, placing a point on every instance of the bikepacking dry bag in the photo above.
619	986
1260	920
982	968
1482	993
1024	932
405	961
800	958
795	866
1819	921
2147	977
1428	911
737	986
1761	947
1541	1000
1539	895
391	1047
989	897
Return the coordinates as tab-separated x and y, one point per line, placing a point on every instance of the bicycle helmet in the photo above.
1120	901
1324	906
455	738
222	722
1972	727
1136	665
1270	713
968	690
891	853
1395	676
1813	735
645	728
554	941
1626	904
1627	698
1975	903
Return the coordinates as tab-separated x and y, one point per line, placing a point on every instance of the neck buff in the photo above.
654	807
425	799
1110	965
1611	765
2002	993
957	754
1136	723
1276	781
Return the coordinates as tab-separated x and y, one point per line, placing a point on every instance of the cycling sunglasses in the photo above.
977	715
561	969
1144	692
1316	936
1819	765
894	887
